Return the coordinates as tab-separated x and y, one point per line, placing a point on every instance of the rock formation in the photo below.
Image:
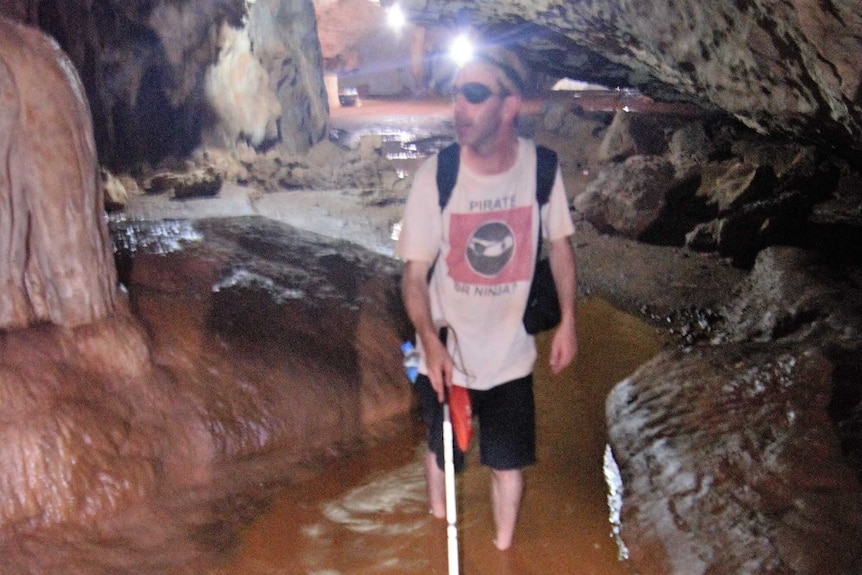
115	414
69	351
703	183
163	78
743	456
50	198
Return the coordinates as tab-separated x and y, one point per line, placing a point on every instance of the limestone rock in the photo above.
147	68
730	464
284	36
286	339
237	86
90	426
618	144
627	197
743	456
836	222
56	259
194	184
689	147
740	183
791	294
703	237
116	192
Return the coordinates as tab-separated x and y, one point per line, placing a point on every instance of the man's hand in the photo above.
439	364
564	347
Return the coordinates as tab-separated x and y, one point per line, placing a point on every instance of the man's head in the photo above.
508	68
487	97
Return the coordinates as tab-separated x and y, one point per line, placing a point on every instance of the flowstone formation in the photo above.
73	361
50	202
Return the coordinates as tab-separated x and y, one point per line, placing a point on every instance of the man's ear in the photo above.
512	106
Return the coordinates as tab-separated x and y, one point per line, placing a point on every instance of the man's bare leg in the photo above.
507	486
435	479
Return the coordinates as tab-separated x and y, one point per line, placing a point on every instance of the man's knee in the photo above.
507	476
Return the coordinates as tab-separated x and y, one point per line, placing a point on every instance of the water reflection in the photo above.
409	142
368	514
151	237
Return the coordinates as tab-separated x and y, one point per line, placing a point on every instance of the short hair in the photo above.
508	67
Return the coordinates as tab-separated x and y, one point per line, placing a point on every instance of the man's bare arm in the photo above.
564	346
414	292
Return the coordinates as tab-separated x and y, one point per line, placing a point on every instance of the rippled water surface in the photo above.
368	514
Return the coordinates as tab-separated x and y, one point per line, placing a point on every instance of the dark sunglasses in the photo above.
474	92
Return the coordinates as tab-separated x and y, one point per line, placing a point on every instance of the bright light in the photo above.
461	50
395	16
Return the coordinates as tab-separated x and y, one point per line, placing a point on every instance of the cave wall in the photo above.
743	455
790	68
148	71
284	34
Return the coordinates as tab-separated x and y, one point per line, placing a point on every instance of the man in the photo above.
482	249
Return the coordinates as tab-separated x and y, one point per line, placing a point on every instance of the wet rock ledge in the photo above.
287	339
743	454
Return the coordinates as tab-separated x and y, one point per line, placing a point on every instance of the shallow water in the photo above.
368	514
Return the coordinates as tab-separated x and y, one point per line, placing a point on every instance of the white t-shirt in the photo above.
486	240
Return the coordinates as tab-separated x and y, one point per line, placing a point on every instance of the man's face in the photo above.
478	122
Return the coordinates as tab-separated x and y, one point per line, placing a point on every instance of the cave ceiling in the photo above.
783	68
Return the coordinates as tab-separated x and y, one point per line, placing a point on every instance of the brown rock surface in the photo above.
90	426
285	339
628	197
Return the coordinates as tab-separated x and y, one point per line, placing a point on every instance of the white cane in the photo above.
449	473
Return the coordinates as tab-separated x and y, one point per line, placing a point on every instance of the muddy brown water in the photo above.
368	514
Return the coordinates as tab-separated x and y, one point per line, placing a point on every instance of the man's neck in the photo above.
492	157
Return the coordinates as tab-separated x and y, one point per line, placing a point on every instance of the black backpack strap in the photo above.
448	161
447	172
546	172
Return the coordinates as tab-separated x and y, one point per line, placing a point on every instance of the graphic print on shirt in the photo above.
490	248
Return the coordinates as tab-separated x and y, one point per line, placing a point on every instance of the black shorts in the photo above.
507	423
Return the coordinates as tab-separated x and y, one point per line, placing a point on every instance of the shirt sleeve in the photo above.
556	217
421	225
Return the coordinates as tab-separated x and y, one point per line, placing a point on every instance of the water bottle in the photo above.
411	360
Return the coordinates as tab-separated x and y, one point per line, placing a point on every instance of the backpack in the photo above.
543	307
449	159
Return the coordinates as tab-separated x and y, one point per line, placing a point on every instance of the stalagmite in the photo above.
55	260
